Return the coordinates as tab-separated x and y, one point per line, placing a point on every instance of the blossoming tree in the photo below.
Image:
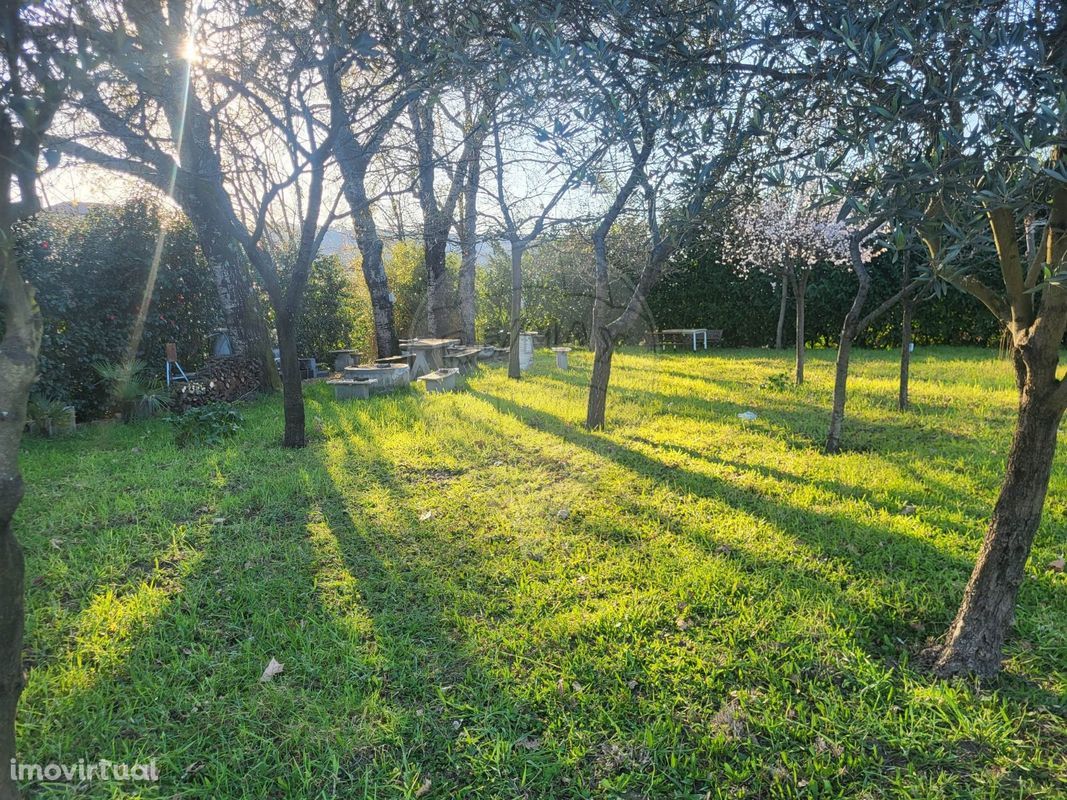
783	236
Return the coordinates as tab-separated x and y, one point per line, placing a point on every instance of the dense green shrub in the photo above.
204	426
700	290
330	311
92	272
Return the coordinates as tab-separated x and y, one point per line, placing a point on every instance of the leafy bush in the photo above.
329	312
205	426
778	382
701	289
92	271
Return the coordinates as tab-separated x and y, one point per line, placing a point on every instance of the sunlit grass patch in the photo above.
474	590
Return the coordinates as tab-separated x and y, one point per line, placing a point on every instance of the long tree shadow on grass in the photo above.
401	561
798	422
837	536
410	576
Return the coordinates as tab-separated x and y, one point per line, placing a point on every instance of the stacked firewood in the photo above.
221	380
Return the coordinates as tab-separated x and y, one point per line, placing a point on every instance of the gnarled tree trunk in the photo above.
438	301
1037	324
976	637
18	369
352	162
603	350
468	239
373	266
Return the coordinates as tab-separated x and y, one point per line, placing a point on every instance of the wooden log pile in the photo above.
221	380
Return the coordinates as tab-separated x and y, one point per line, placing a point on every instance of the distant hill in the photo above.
338	241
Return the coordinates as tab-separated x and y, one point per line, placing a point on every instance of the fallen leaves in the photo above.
1057	565
275	667
424	788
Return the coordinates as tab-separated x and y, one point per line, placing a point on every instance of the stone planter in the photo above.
352	389
343	359
388	377
526	349
442	380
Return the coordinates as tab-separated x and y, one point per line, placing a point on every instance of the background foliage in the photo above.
92	272
332	315
702	290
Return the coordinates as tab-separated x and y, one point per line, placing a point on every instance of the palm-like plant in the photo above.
48	416
133	394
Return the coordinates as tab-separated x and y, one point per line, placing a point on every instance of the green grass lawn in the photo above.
475	597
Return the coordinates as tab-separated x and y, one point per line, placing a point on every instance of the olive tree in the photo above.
683	97
34	73
959	116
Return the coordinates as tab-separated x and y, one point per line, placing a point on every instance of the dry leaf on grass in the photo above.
1057	565
423	789
273	668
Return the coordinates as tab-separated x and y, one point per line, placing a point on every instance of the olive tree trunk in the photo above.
438	301
515	321
354	157
800	290
849	330
907	307
18	368
372	264
603	350
976	637
468	238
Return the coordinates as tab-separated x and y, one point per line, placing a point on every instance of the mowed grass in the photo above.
473	596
